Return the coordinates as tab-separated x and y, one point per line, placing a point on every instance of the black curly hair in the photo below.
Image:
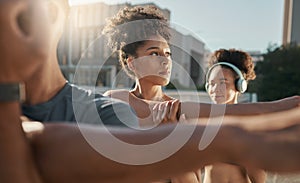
132	27
241	59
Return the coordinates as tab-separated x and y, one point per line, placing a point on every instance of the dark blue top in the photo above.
75	104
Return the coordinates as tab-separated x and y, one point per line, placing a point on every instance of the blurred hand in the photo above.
165	112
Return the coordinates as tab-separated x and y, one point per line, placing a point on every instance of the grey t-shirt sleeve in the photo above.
117	113
105	111
94	108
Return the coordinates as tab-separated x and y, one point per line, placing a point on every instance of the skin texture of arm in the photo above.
17	163
144	108
61	160
265	122
257	176
27	46
190	109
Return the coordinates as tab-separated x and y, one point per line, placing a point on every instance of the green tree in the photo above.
278	76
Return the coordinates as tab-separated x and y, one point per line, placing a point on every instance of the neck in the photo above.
45	83
234	101
148	91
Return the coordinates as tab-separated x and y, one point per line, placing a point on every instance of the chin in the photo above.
219	101
161	81
165	82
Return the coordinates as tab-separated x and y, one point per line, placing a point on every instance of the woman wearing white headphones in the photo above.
228	75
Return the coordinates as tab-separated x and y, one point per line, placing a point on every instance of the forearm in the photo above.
205	110
255	108
266	122
196	110
16	160
263	107
64	155
62	152
201	110
278	151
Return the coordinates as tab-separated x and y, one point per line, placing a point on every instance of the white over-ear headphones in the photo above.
240	84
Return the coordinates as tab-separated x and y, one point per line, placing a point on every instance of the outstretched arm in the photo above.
19	21
64	155
195	109
265	122
17	163
144	108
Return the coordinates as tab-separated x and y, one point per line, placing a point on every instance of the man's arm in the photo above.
264	122
24	31
257	176
195	109
64	155
17	164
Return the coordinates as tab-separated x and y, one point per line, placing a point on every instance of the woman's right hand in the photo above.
166	112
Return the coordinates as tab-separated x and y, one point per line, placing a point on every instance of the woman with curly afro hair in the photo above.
140	35
227	77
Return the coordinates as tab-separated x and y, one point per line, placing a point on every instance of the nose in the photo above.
166	63
165	59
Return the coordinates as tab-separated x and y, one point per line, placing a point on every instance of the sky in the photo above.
250	25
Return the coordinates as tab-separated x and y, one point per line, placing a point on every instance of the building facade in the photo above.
291	22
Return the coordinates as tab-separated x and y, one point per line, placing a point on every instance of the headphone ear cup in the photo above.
206	86
241	85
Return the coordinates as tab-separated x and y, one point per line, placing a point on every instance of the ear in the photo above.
130	63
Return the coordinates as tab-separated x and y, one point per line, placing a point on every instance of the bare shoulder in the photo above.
121	94
167	98
112	93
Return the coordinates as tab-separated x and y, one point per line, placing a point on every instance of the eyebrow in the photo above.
220	79
223	79
152	48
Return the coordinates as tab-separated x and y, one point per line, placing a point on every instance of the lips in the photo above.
217	96
166	72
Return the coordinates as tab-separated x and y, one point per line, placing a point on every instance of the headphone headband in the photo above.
233	67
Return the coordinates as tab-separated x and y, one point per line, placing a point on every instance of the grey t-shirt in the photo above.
75	104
